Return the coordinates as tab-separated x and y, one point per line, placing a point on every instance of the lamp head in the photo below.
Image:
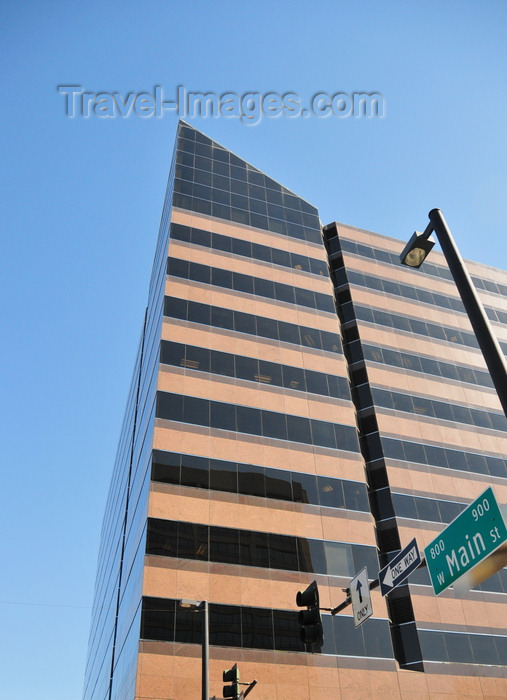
416	250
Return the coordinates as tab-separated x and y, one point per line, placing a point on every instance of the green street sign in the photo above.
470	538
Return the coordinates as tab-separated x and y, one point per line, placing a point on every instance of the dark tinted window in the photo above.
254	549
222	415
274	425
278	484
223	476
331	492
304	488
197	358
298	429
193	541
251	480
257	628
283	552
162	538
224	625
195	472
248	420
224	545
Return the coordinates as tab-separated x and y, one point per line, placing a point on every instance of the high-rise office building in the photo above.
298	411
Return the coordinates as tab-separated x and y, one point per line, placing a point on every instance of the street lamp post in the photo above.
202	606
415	253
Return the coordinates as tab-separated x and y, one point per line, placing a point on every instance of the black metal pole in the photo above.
488	343
205	650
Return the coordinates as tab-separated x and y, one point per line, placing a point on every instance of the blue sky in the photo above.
81	204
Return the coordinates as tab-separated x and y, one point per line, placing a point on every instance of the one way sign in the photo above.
360	597
399	568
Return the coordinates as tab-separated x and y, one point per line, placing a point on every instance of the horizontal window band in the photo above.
257	286
426	509
253	421
415	325
247	249
421	406
295	487
260	326
418	294
254	480
429	269
463	647
220	545
212	204
423	453
248	627
224	545
426	365
253	370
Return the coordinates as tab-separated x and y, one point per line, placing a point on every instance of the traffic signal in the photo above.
310	621
231	676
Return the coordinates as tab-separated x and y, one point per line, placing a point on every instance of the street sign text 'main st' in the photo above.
471	537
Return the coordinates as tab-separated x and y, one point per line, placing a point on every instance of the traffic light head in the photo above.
231	676
310	621
309	597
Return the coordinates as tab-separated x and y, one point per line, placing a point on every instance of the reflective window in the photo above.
195	411
278	484
243	283
199	472
248	420
339	559
223	416
331	492
224	545
253	325
427	365
249	548
158	619
312	555
197	358
257	628
298	429
195	471
274	425
262	287
244	323
427	509
192	541
286	633
251	480
433	646
222	363
224	625
323	433
166	467
415	326
162	538
223	476
283	552
443	457
356	497
254	549
459	648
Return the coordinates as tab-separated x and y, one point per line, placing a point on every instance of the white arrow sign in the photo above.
399	568
360	597
388	578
